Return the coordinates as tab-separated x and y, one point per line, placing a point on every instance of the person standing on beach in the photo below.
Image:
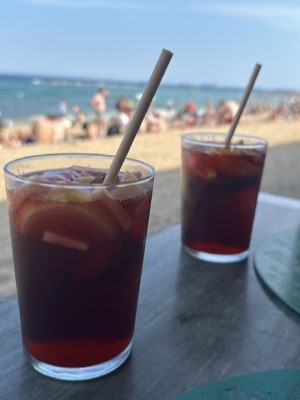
98	103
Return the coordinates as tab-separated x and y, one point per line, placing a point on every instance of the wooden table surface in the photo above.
196	323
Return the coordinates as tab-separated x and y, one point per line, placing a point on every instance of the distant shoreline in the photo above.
109	81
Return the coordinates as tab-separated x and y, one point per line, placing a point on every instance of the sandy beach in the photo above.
162	150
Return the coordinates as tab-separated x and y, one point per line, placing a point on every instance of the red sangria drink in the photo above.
219	194
78	247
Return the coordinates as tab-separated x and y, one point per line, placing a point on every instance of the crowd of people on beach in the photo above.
65	126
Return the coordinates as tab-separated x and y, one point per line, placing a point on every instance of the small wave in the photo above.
36	82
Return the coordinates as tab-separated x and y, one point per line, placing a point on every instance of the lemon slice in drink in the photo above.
130	191
70	195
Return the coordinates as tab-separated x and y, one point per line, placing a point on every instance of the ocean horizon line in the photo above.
98	82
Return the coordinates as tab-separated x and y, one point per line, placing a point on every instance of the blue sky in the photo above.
214	42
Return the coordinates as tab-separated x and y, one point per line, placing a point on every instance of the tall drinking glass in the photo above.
219	194
78	248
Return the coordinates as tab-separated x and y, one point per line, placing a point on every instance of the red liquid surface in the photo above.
78	284
219	194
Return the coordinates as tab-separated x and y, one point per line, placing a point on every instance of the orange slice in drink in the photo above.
87	230
247	165
116	208
18	196
74	219
225	166
199	164
99	257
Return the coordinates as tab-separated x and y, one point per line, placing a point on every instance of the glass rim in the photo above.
195	138
19	178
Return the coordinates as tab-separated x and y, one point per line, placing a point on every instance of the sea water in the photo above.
24	98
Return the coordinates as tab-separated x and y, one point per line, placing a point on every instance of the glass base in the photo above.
217	258
80	374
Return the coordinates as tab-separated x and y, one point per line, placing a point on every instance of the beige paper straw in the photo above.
139	115
242	104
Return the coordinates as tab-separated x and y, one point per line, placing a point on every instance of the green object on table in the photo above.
277	262
270	385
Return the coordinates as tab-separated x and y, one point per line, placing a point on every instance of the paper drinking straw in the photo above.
242	104
139	114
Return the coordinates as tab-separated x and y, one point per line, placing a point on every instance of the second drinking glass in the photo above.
219	193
